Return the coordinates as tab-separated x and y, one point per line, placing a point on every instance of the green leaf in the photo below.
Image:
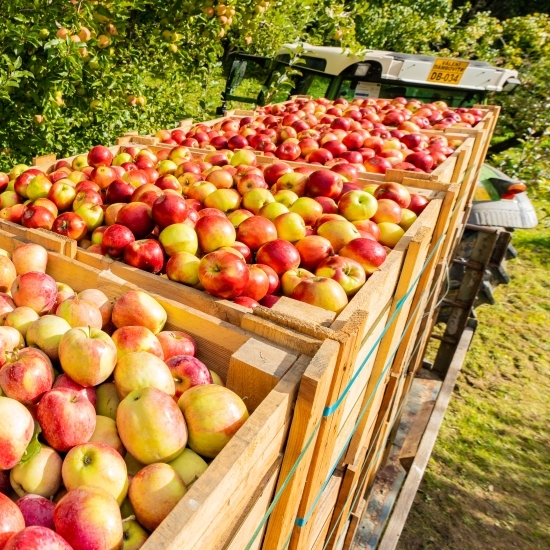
34	446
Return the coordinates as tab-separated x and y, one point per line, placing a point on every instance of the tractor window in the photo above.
316	63
246	79
454	97
313	84
347	89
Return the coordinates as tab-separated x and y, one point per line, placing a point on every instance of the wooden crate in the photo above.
222	508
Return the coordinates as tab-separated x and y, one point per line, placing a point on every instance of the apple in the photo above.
121	158
70	225
67	418
37	510
179	237
321	292
96	465
407	219
151	426
291	278
14	435
388	211
136	216
221	179
313	249
258	283
92	214
132	339
89	517
418	203
37	536
213	415
309	209
280	255
245	301
100	300
274	171
349	172
119	191
393	191
7	274
26	378
290	226
390	234
225	200
272	210
187	372
146	254
133	535
80	313
107	400
245	157
38	187
338	233
169	209
45	333
115	240
345	271
255	231
214	232
286	197
9	198
11	520
86	196
21	182
106	433
63	381
250	181
99	156
256	198
189	465
183	267
154	493
357	205
377	165
37	217
136	308
21	319
35	290
87	355
293	181
62	195
272	277
223	274
103	176
237	216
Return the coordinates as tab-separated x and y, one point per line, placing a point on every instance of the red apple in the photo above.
395	192
223	274
214	232
245	301
89	392
11	520
388	211
325	183
119	191
255	231
35	290
313	250
422	160
146	254
169	209
288	151
418	203
329	206
188	372
368	253
115	239
274	171
258	283
176	343
70	225
100	156
368	226
273	278
103	176
137	217
37	510
280	255
37	217
269	301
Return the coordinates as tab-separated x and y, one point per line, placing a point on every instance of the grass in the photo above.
487	485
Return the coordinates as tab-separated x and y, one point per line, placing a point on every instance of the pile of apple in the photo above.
373	135
105	418
221	223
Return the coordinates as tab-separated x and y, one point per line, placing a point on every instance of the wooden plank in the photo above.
307	416
401	511
355	517
313	314
255	369
412	441
321	519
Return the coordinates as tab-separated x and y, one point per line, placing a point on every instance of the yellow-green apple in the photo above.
179	154
225	200
140	369
188	372
86	196
286	197
272	210
256	198
395	192
407	219
183	267
175	342
96	237
238	216
136	308
292	181
40	475
37	217
21	319
121	158
321	292
345	271
92	214
21	182
89	517
357	205
100	300
130	339
280	255
213	415
145	254
313	249
309	209
290	226
388	211
223	274
77	176
45	334
256	231
189	465
151	426
87	355
338	233
166	167
62	195
154	493
325	183
291	278
390	234
179	237
96	464
115	240
106	432
99	156
368	226
200	190
216	379
214	232
367	252
136	216
11	520
38	187
245	157
134	535
80	313
258	284
107	400
63	381
67	418
7	274
26	377
37	510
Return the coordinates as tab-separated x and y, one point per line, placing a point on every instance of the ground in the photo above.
487	485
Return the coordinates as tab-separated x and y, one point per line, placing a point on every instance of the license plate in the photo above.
447	71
